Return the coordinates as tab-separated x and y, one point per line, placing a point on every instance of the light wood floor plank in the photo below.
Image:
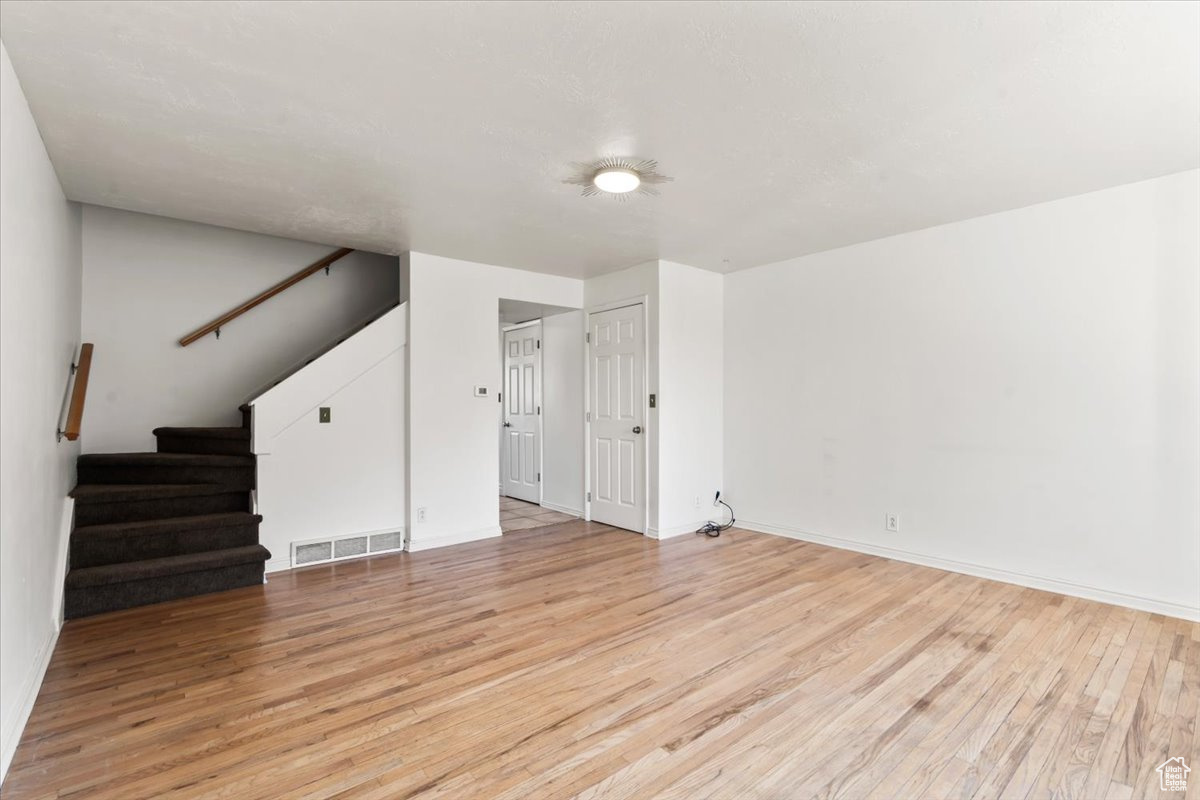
581	661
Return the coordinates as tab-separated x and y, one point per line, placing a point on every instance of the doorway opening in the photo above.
540	419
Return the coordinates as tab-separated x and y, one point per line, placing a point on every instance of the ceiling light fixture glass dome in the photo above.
616	180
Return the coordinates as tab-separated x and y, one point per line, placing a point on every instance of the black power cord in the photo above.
713	529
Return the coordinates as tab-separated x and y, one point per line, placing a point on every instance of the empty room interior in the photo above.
514	400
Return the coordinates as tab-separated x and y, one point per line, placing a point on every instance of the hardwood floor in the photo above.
580	661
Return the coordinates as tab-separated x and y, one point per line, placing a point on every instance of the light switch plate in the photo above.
481	391
324	414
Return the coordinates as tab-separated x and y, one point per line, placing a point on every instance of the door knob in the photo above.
507	424
637	428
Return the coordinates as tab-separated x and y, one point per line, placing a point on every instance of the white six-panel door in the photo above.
618	438
522	399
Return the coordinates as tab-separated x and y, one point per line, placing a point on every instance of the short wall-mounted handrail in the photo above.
215	325
82	370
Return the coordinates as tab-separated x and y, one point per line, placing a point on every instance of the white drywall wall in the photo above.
690	396
562	412
147	281
684	358
324	480
453	448
1023	389
40	288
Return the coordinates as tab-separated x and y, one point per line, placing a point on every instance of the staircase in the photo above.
159	526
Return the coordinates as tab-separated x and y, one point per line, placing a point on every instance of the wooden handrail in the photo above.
215	325
78	393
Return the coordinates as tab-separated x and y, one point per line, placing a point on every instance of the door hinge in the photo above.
587	337
589	497
539	409
588	417
499	397
539	477
539	341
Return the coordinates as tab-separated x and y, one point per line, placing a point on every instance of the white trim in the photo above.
574	512
446	540
643	301
14	726
979	571
278	564
674	530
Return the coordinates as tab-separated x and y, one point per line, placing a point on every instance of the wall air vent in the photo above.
320	551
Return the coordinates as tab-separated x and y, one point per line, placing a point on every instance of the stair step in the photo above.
114	543
101	504
166	468
94	590
210	441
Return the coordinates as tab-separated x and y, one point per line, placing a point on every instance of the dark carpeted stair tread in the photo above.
171	565
204	433
124	492
118	542
114	503
215	441
148	527
172	467
165	460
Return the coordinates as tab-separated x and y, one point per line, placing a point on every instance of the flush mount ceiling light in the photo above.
617	180
617	177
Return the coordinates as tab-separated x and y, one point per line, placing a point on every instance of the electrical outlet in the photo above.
421	514
892	522
324	415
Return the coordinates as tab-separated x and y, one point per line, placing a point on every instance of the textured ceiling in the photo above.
450	127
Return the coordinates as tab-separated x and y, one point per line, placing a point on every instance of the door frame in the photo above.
643	301
537	397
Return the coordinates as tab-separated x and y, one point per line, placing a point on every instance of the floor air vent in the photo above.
322	550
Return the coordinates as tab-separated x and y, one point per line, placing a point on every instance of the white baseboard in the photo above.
446	540
574	512
278	565
674	530
979	571
10	736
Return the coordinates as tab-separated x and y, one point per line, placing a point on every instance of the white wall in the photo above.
39	334
147	281
562	412
345	477
684	365
690	398
453	448
1023	389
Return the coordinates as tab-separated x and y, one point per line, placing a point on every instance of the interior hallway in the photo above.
518	515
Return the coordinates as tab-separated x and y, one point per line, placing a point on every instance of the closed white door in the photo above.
618	440
522	407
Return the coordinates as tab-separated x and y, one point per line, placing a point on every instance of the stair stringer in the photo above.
302	392
342	479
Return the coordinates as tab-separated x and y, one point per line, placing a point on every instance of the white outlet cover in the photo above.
892	522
